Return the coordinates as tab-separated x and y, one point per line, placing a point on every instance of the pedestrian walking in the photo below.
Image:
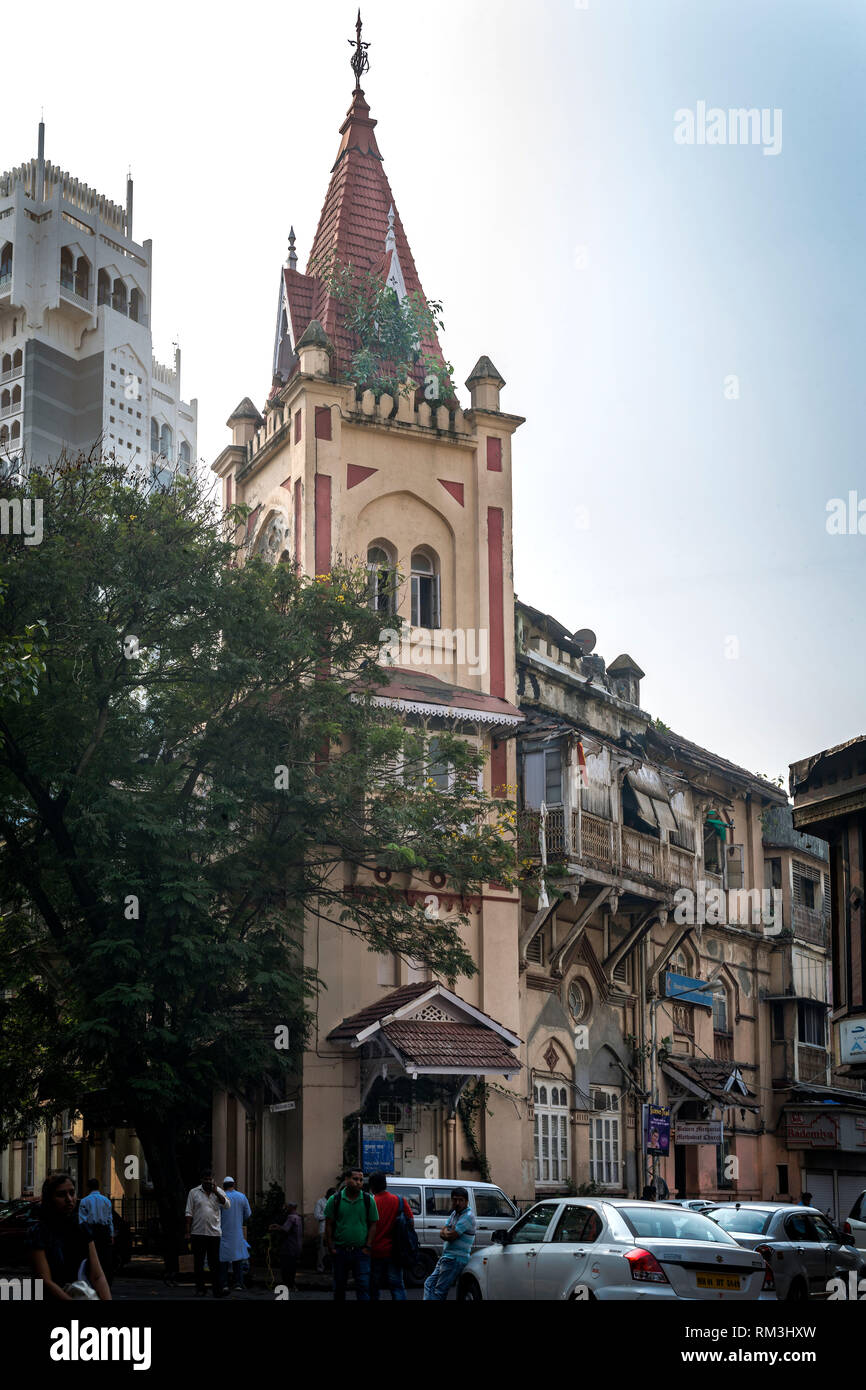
386	1269
459	1236
351	1219
292	1245
204	1232
61	1248
233	1236
95	1210
319	1214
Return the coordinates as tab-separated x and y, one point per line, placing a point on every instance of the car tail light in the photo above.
769	1281
846	1228
645	1267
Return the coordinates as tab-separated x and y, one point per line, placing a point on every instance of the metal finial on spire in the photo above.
391	238
360	60
292	261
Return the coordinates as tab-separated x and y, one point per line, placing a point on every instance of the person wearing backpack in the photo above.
351	1219
392	1246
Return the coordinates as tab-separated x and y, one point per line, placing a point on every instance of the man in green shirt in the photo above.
351	1218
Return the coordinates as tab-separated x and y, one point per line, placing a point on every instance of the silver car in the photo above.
586	1248
802	1247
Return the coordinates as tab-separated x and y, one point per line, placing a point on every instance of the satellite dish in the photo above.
586	639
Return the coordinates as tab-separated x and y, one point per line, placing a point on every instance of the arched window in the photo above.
605	1138
166	442
382	585
6	364
5	401
184	454
154	437
119	297
16	430
16	396
4	434
17	359
551	1136
425	590
136	306
720	1009
6	261
82	277
103	287
67	268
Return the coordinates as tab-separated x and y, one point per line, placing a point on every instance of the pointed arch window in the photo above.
720	1009
425	590
382	581
551	1139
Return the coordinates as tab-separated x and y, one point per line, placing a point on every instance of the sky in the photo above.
680	323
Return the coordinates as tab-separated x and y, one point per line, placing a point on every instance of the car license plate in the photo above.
718	1281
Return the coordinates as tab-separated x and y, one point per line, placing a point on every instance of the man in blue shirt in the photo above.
459	1237
96	1210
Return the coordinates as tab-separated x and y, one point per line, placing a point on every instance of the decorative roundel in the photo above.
438	880
382	875
577	1000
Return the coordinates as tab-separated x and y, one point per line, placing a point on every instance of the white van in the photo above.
429	1200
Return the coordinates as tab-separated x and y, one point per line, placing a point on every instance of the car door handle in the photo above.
575	1253
484	1228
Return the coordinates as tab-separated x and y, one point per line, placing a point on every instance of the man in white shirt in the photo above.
98	1212
203	1231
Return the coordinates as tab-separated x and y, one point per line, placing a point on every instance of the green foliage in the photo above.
394	336
169	821
471	1105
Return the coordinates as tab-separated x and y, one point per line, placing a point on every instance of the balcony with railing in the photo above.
723	1047
76	291
605	845
795	1061
809	924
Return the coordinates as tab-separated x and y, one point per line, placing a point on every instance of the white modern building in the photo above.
75	343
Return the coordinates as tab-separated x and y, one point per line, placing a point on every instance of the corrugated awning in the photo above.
652	798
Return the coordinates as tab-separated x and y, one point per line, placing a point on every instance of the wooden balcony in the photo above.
809	925
723	1047
604	845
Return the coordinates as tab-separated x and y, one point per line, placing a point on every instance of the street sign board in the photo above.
283	1105
377	1148
852	1040
812	1130
657	1129
688	990
699	1132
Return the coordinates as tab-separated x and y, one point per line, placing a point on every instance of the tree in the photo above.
197	756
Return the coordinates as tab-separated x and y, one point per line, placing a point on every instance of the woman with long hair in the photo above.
59	1244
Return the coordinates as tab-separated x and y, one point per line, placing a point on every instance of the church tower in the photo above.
417	487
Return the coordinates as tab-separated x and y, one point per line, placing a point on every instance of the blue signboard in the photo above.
377	1148
657	1129
689	990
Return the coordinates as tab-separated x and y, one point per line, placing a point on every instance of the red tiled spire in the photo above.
353	228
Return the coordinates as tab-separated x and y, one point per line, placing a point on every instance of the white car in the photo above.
855	1225
585	1248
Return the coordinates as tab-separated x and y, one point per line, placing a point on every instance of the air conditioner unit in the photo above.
403	1117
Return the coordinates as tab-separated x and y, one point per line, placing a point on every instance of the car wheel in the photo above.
797	1293
469	1291
421	1270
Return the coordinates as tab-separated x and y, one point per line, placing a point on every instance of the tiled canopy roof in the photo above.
353	227
388	1004
416	687
428	1044
711	1077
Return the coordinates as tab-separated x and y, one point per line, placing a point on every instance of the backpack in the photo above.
368	1203
405	1245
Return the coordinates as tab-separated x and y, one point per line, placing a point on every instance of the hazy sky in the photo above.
618	279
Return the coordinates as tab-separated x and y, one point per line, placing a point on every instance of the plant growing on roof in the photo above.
393	336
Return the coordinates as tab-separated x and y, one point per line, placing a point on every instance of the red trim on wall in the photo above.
498	776
456	490
297	427
287	484
323	524
495	526
229	490
356	475
298	520
323	422
251	521
494	455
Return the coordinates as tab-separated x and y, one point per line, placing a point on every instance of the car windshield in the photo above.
743	1219
673	1223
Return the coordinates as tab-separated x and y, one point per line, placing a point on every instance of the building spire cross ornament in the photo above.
360	60
292	258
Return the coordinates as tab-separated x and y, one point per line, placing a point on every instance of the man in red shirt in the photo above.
386	1271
